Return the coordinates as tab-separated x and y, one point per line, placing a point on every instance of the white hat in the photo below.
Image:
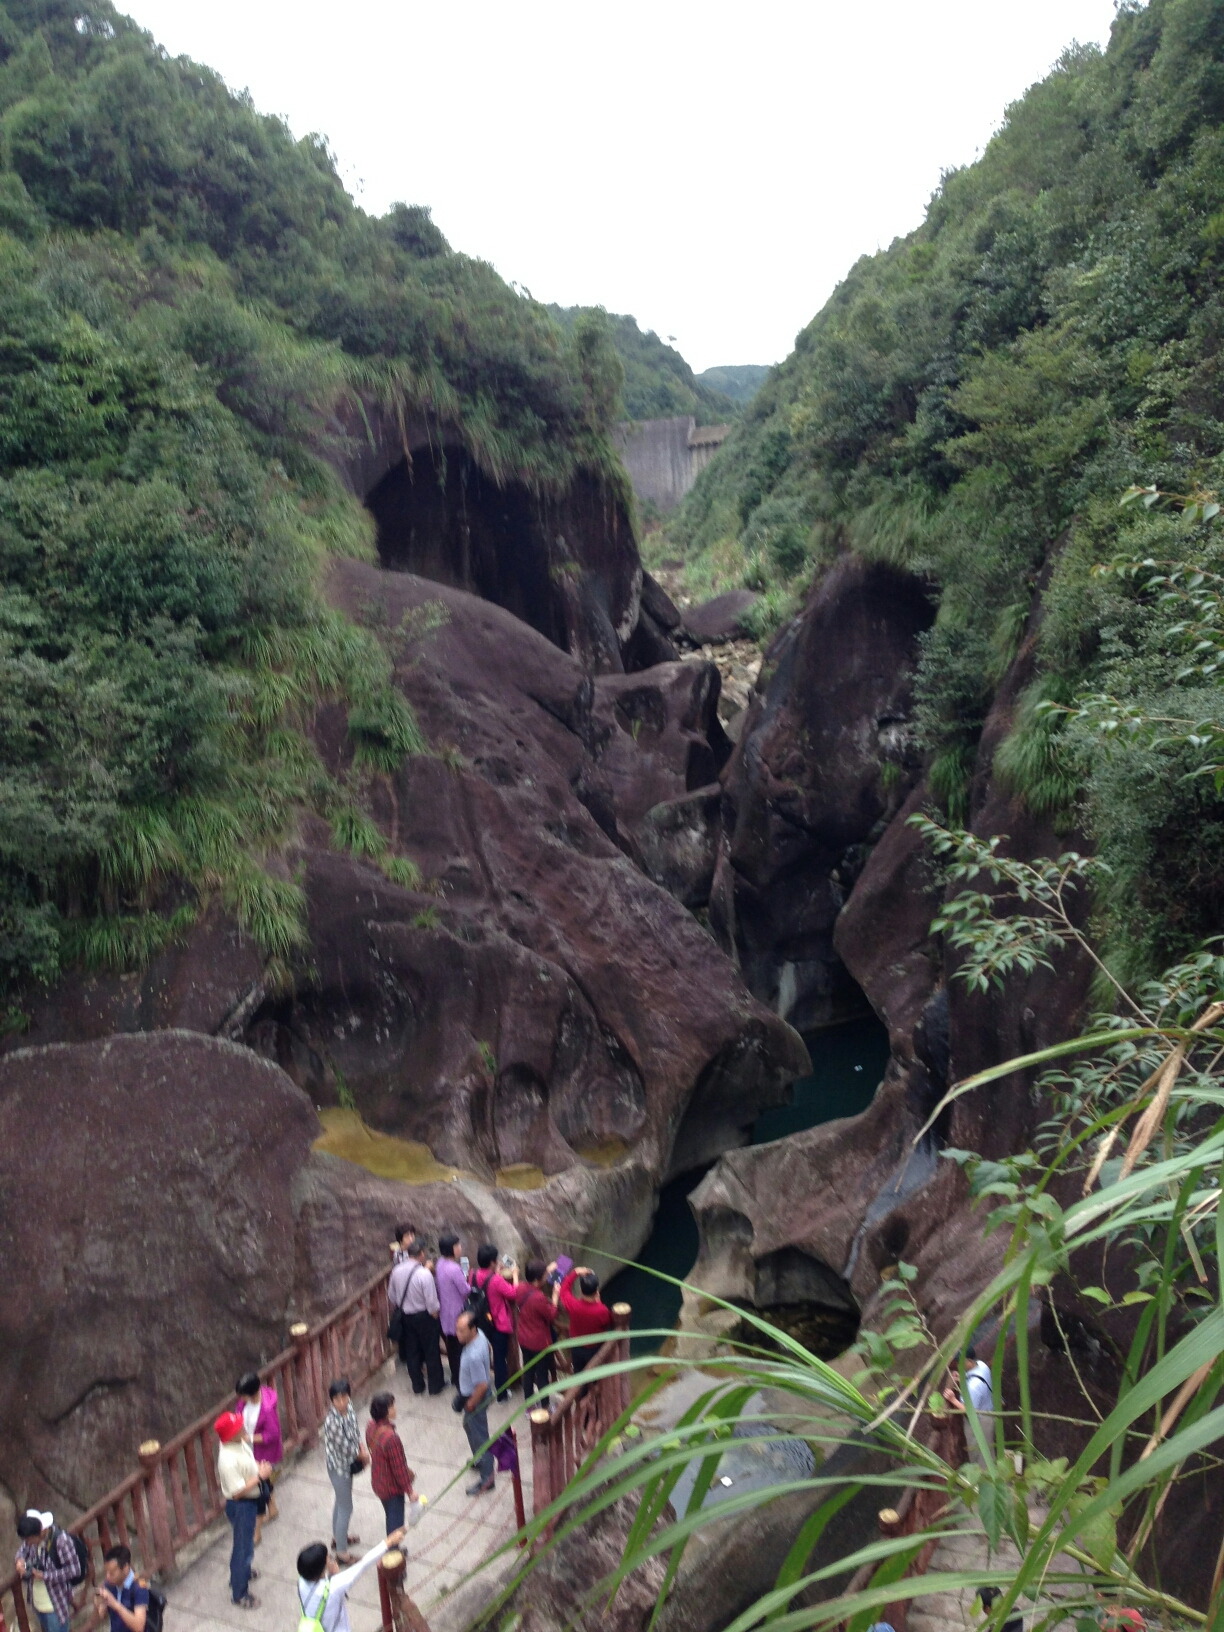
45	1519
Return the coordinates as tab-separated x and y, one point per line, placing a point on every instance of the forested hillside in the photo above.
659	384
188	301
974	402
739	381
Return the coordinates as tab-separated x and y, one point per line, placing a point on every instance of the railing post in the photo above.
520	1512
541	1465
621	1314
299	1334
159	1508
399	1613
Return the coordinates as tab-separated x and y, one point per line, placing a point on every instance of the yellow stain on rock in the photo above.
605	1152
520	1176
345	1134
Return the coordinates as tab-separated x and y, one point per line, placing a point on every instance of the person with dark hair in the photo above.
988	1595
404	1233
345	1455
121	1596
47	1564
500	1293
475	1383
323	1586
589	1315
413	1291
261	1419
239	1475
452	1293
390	1476
535	1326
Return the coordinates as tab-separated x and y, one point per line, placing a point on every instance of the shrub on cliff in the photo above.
187	294
972	401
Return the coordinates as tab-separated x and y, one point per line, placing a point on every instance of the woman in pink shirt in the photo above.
500	1293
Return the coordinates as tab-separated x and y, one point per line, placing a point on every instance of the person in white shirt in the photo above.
978	1383
323	1586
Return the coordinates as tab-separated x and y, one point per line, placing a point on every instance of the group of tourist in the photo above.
51	1563
432	1292
444	1307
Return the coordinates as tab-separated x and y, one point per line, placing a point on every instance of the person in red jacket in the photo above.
534	1322
390	1474
589	1315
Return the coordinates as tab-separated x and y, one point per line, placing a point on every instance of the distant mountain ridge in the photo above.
659	384
739	381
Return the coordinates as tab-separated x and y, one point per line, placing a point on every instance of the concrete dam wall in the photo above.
663	456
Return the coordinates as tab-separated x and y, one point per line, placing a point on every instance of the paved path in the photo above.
965	1549
455	1533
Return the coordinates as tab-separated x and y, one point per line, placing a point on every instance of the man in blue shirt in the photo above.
475	1381
123	1596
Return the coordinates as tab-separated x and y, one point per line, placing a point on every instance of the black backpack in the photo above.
81	1551
476	1304
155	1613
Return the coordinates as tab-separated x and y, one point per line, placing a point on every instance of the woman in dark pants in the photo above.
534	1320
390	1475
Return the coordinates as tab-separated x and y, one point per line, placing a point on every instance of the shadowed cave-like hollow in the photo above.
567	565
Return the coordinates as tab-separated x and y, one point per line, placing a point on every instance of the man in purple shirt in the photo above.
452	1294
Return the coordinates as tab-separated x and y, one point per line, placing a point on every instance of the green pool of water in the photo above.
847	1065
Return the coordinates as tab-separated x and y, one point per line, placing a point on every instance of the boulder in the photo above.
150	1202
823	761
677	843
538	1003
658	604
883	933
721	618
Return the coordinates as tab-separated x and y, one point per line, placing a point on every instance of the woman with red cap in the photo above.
239	1475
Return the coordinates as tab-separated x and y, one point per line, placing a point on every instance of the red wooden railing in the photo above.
564	1433
919	1507
173	1496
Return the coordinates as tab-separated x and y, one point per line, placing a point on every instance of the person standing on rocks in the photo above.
475	1383
535	1326
452	1291
414	1292
390	1476
261	1419
345	1456
589	1315
239	1475
48	1565
500	1293
323	1587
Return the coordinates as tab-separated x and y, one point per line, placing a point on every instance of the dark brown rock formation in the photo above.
719	619
807	788
162	1222
849	1198
567	563
541	1001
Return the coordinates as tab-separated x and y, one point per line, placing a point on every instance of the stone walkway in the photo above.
965	1549
455	1533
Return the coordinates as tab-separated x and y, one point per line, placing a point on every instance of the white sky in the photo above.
713	169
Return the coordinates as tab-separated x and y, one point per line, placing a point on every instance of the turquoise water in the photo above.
847	1065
